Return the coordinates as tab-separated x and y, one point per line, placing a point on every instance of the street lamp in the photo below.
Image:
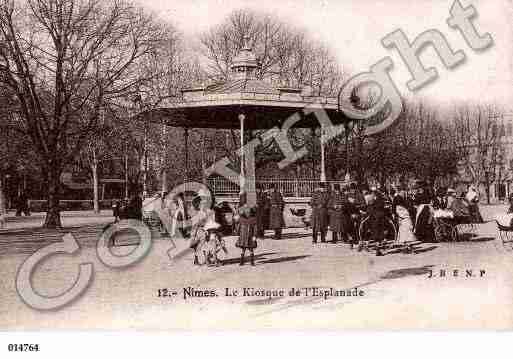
242	181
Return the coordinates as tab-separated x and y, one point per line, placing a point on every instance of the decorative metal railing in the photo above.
289	188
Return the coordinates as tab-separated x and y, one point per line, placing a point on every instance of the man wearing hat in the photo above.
277	204
319	204
451	196
262	207
376	211
337	215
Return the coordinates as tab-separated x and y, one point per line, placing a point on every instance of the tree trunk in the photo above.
487	190
164	182
3	211
53	214
96	196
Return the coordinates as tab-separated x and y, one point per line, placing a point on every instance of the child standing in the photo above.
248	224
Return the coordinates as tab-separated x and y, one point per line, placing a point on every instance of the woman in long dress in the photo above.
199	219
405	212
248	228
177	217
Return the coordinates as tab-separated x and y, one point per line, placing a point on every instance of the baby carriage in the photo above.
390	229
449	224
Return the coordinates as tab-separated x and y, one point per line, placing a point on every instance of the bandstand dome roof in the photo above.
263	105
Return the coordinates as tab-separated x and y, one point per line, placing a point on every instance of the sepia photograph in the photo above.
207	165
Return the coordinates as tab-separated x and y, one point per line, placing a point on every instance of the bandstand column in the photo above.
323	162
186	157
242	183
163	161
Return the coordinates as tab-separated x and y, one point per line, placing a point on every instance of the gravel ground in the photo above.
397	293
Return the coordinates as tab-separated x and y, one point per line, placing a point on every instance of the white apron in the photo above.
405	225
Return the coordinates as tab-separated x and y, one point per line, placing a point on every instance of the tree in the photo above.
480	142
97	148
288	57
16	157
63	60
8	148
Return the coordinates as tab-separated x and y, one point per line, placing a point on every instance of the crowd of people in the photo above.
400	214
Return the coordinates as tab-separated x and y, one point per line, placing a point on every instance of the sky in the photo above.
354	29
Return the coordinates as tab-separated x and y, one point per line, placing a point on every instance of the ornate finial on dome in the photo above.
245	63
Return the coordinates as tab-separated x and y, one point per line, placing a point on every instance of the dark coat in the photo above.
356	197
376	209
475	213
337	211
423	224
319	204
277	204
247	228
263	208
224	216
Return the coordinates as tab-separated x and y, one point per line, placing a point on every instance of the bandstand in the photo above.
246	103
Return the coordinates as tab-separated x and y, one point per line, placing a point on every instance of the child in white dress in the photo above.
404	212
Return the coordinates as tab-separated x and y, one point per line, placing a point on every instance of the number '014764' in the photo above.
23	347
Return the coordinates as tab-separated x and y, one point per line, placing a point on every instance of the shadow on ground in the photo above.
284	259
289	236
406	272
472	237
236	260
